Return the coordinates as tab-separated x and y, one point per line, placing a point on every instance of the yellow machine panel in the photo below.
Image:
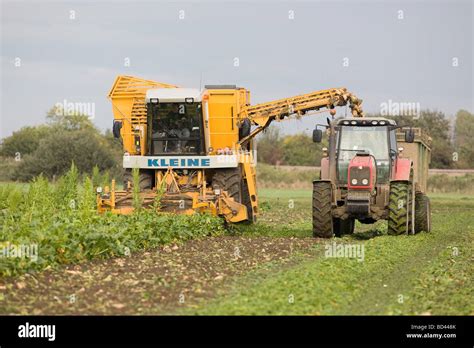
224	107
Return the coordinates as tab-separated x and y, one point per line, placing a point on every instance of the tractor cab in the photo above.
362	146
174	122
364	178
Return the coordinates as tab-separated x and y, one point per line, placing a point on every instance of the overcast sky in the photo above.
404	51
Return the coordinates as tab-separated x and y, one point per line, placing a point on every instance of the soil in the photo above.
159	281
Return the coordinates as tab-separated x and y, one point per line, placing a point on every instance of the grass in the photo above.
444	183
300	178
271	176
429	273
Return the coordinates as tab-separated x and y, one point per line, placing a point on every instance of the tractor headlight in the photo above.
359	175
98	189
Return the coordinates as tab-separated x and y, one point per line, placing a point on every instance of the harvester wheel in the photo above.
247	202
422	213
400	208
322	210
146	179
231	180
342	227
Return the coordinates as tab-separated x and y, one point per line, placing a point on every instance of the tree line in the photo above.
50	148
452	146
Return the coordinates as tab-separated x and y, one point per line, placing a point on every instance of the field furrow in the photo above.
272	267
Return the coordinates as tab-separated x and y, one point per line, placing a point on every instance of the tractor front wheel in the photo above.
322	210
400	208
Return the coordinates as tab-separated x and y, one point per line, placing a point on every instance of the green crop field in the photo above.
196	265
429	273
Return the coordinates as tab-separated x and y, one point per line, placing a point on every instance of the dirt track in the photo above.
154	282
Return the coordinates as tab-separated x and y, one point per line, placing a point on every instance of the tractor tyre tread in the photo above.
422	213
322	210
398	213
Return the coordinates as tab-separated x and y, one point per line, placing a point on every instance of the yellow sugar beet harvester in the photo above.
195	148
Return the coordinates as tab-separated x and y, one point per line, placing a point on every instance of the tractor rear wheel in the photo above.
231	180
342	227
400	213
422	213
146	179
322	210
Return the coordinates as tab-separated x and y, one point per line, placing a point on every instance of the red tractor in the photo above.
373	170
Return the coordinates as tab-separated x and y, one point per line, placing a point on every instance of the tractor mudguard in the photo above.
402	169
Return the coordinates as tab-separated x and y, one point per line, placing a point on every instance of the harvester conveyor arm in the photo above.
263	114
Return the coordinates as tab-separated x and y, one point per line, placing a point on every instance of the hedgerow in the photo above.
62	221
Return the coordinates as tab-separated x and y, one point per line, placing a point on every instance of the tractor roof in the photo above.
365	121
173	95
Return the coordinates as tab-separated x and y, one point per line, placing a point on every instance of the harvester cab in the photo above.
366	177
184	144
175	122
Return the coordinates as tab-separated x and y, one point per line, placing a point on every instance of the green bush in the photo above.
292	150
24	141
55	153
8	168
51	148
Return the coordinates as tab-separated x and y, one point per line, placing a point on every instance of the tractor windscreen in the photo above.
176	128
372	140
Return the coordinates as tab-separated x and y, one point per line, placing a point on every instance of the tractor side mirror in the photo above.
317	135
116	129
409	135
